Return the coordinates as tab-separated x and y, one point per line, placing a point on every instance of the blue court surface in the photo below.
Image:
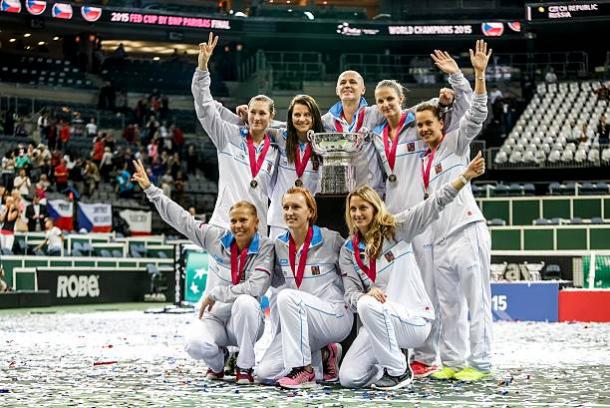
116	355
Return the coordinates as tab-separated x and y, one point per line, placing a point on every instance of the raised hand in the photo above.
446	96
476	167
140	175
480	56
444	62
205	51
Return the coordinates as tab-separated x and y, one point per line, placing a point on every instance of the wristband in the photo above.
464	179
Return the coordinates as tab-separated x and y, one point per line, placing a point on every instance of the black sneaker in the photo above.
230	363
390	382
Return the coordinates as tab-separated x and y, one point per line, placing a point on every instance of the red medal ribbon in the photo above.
391	152
237	270
256	164
426	171
359	122
292	252
299	165
371	271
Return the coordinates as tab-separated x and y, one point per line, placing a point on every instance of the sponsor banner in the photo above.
528	301
94	217
140	222
196	274
71	286
576	305
61	211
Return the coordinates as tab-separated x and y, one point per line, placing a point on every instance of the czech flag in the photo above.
10	6
62	10
61	212
36	7
94	217
492	29
515	26
91	14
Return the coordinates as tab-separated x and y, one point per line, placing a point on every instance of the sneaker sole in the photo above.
244	382
339	355
299	386
424	375
398	386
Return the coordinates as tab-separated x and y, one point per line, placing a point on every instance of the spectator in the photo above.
76	175
91	128
53	239
106	164
166	183
177	138
77	125
8	169
180	183
92	177
603	92
22	161
3	285
119	52
175	165
36	214
192	161
64	134
153	149
20	129
8	218
98	150
129	134
550	77
41	188
61	176
603	130
110	142
125	186
22	183
43	125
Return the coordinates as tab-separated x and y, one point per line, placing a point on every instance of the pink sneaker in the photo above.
213	375
243	376
331	364
421	370
299	377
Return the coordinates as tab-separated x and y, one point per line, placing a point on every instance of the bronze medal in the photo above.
392	178
298	182
253	183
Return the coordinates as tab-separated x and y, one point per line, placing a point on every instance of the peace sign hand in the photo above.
140	175
480	56
205	51
444	62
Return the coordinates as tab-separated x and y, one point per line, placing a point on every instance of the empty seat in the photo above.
555	221
576	221
602	188
515	189
105	253
529	189
496	222
501	190
541	221
117	253
597	220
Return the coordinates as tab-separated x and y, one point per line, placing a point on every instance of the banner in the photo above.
61	211
140	222
529	301
95	217
196	274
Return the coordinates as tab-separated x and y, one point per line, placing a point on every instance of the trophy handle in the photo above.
310	135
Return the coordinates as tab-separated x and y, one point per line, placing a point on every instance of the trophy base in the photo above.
337	180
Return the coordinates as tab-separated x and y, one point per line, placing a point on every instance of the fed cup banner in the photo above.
525	301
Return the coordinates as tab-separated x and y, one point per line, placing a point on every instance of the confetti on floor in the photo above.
129	358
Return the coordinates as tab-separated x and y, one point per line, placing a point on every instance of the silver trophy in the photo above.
338	150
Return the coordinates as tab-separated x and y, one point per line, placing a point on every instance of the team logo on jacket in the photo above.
438	168
389	256
411	147
315	270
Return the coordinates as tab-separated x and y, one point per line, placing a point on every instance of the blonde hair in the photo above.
245	204
383	224
395	85
264	98
311	202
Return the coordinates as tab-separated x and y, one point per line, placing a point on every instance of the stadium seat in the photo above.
567	156
602	188
597	220
569	188
554	156
606	156
135	253
529	189
105	253
555	221
593	156
542	221
496	222
77	252
116	253
552	272
516	157
501	190
587	188
502	157
515	189
576	221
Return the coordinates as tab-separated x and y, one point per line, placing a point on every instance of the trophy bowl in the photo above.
338	150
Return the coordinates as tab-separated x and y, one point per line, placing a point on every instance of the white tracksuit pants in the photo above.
386	329
462	262
427	353
241	325
307	323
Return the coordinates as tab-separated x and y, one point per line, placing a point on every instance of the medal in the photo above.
426	195
238	263
298	182
300	164
390	151
371	270
426	169
392	178
299	270
256	164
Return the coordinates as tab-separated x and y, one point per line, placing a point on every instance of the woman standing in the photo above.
246	158
8	218
384	286
240	266
311	308
462	245
399	146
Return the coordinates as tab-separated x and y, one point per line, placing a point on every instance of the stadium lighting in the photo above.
12	40
55	38
41	43
26	35
156	59
240	14
309	15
